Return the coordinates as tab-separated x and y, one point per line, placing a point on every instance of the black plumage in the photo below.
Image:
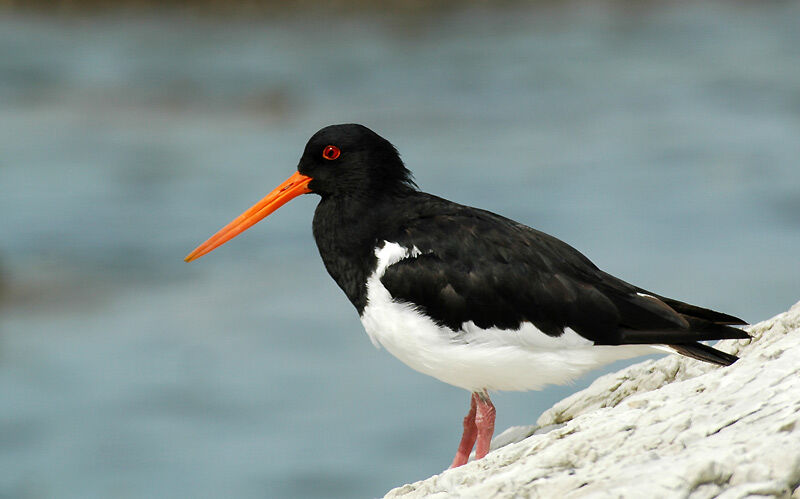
478	266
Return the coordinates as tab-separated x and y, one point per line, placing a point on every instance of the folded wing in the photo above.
495	272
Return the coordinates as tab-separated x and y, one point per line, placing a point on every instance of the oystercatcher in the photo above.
467	296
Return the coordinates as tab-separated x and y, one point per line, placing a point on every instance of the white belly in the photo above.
473	358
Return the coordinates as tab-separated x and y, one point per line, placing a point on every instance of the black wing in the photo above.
477	266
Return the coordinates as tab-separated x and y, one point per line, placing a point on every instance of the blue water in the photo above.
663	142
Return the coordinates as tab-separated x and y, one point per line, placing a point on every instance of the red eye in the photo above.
331	152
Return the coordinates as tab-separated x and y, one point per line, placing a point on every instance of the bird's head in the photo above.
352	161
344	161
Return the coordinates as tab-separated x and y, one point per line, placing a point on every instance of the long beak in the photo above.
293	186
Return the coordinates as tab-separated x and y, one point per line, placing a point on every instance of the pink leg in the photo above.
469	435
484	421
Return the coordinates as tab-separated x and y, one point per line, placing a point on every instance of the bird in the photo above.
472	298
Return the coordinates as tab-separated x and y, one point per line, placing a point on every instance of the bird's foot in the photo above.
468	437
478	426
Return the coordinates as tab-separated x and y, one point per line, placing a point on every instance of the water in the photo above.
662	142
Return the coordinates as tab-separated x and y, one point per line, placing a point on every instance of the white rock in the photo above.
673	427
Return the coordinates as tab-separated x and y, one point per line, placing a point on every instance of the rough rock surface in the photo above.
672	427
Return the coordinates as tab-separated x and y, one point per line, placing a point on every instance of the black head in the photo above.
353	161
340	161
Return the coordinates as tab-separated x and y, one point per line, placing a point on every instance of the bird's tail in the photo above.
705	353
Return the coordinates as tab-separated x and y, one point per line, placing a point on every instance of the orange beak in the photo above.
293	186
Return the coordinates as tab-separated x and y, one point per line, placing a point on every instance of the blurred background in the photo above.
660	138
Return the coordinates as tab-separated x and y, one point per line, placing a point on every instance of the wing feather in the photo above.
498	273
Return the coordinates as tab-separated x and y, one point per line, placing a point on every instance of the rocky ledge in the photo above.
672	427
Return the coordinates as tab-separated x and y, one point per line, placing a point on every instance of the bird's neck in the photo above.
346	231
